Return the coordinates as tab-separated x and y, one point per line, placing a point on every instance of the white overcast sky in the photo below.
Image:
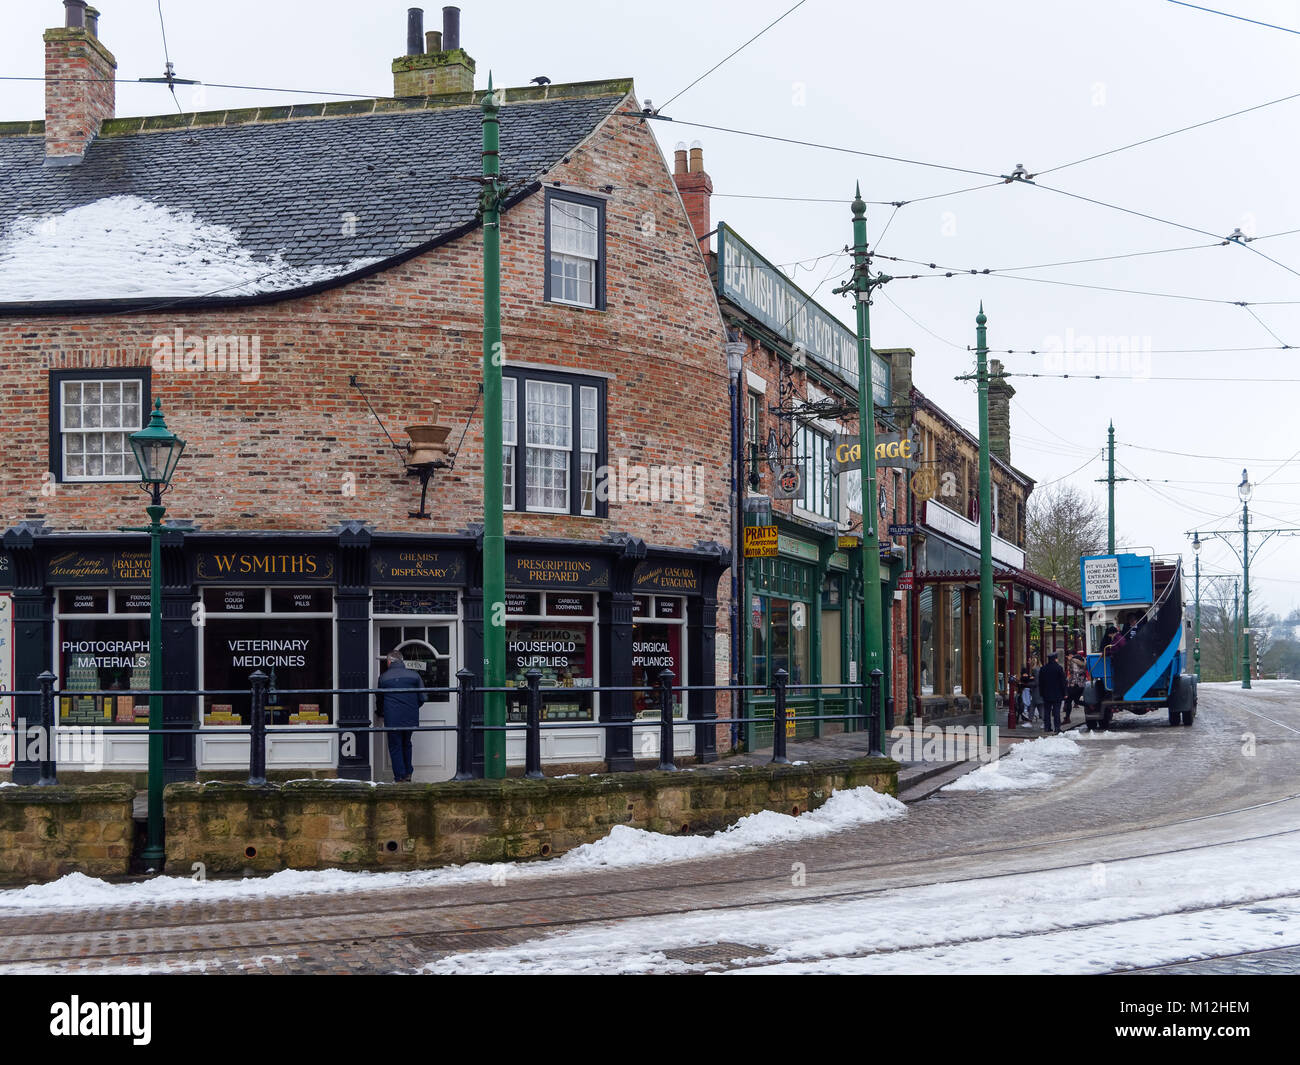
977	86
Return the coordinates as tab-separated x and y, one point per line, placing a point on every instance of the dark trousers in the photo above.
399	753
1073	698
1052	716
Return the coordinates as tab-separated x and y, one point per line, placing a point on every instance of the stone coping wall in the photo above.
46	832
316	824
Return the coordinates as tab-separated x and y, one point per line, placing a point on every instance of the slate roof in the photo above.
285	186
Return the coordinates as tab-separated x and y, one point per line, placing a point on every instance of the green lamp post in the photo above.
157	451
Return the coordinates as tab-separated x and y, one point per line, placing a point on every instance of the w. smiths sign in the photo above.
264	566
892	449
753	284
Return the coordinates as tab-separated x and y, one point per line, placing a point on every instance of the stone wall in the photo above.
46	832
306	824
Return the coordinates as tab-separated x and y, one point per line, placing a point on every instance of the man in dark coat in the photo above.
398	703
1052	688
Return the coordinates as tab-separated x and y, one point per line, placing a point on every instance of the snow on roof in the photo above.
124	246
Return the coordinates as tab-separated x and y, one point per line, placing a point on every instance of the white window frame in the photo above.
530	445
584	211
130	471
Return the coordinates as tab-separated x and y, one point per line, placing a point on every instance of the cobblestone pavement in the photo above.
1107	810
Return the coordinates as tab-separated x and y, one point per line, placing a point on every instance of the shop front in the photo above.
1033	616
319	614
803	616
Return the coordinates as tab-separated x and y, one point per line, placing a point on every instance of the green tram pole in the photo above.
494	540
1110	478
1244	490
988	637
861	285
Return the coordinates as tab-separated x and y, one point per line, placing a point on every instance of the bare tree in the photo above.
1062	524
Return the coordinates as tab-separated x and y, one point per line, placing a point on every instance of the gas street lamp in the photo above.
157	451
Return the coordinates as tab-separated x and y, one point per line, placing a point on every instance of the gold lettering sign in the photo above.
243	564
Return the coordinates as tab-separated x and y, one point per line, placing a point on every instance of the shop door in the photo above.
429	650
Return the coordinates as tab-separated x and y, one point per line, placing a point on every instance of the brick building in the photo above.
801	609
296	286
1034	616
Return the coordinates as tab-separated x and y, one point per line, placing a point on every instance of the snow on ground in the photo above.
125	246
623	847
1256	686
1029	764
1048	922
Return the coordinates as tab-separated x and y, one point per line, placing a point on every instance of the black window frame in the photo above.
57	378
576	382
587	201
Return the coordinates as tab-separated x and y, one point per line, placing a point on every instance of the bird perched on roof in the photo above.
541	79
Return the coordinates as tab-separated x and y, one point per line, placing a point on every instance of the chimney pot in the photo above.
79	87
696	188
415	31
433	41
451	28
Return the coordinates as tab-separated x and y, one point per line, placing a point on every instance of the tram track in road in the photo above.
704	883
493	934
389	927
1080	926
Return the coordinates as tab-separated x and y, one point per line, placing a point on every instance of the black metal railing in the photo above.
469	726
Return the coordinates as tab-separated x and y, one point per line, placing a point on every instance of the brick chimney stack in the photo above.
900	373
1000	394
696	188
79	89
435	63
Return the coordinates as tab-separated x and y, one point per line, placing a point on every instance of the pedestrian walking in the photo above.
1078	679
1028	686
1052	687
398	703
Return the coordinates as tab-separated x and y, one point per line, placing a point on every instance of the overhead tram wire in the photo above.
170	80
1153	351
1056	480
656	117
1239	18
736	52
1234	459
1158	377
1171	133
1066	262
943	271
1171	499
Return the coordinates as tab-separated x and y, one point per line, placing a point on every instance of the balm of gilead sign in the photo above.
753	284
